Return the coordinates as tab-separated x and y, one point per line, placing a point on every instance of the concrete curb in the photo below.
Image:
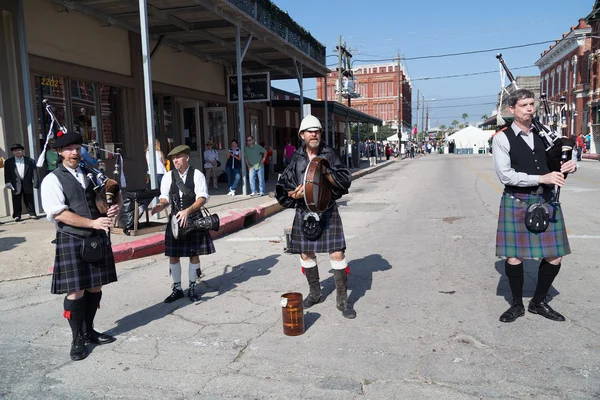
233	221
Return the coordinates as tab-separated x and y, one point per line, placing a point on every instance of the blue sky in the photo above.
379	29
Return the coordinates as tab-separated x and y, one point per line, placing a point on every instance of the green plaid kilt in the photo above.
514	240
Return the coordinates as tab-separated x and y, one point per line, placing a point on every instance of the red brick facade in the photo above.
378	87
564	72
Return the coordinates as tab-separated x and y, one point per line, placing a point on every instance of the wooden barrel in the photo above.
292	312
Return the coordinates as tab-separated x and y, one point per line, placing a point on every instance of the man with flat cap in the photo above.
21	177
68	198
184	188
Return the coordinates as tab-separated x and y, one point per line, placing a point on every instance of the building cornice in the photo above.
563	48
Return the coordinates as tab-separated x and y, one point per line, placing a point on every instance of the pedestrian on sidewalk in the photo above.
268	156
21	177
185	189
233	167
290	194
211	162
527	180
288	151
255	156
68	198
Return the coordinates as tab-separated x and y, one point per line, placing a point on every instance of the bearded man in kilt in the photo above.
290	194
521	164
185	190
68	198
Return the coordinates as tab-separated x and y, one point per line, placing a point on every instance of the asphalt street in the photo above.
424	280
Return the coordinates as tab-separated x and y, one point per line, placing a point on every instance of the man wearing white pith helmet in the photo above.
290	194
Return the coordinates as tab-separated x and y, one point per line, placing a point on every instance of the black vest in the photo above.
79	201
523	159
181	203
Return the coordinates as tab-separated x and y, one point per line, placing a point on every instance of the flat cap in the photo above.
17	146
182	148
65	139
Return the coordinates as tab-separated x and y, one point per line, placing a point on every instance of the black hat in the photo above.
65	139
17	146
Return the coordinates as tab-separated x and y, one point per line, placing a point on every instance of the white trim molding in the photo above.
565	46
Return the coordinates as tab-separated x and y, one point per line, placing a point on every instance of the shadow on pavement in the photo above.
9	243
230	279
360	278
530	269
309	319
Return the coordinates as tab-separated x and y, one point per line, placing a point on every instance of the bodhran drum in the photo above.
174	227
317	194
317	190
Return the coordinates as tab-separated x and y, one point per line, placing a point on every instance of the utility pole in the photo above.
339	49
400	77
423	114
417	116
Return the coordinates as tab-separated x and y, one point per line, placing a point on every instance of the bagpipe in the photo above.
559	149
107	190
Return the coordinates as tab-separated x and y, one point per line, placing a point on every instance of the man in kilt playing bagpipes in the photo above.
69	200
521	163
185	189
330	237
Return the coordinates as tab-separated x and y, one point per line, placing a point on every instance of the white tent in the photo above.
393	138
470	140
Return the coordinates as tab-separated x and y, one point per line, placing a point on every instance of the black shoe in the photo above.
192	295
175	295
53	241
17	219
33	216
310	300
98	338
346	309
544	310
515	311
78	350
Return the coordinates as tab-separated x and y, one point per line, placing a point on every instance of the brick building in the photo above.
564	70
378	86
593	62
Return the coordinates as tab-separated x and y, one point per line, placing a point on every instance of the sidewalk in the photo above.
26	249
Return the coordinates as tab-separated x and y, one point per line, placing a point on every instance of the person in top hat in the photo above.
290	194
21	177
184	188
68	198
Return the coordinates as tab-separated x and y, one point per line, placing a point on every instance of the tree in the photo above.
465	116
461	126
443	129
454	124
484	117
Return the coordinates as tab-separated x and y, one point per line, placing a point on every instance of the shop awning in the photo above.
207	29
333	107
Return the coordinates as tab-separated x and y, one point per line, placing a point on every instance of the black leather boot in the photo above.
92	304
75	314
341	300
314	284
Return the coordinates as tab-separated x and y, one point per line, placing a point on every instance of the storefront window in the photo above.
167	123
49	88
83	110
112	105
216	121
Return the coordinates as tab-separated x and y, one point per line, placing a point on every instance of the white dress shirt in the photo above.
200	188
53	198
20	163
500	151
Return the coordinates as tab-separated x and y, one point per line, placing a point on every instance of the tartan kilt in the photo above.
331	240
514	240
71	273
196	243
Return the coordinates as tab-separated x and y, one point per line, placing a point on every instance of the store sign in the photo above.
255	87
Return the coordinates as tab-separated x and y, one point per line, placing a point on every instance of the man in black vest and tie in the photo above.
21	177
521	165
184	188
68	198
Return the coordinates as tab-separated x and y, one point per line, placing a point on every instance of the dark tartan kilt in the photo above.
331	240
71	273
514	240
196	243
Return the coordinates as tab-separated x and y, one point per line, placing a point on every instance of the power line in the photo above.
464	105
461	53
463	75
458	98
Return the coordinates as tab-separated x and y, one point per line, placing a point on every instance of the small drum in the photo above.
317	190
174	227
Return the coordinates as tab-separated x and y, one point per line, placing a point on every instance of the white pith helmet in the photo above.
309	123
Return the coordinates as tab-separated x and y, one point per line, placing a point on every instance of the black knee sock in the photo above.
546	275
515	279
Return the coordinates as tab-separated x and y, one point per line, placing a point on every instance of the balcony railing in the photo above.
280	23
